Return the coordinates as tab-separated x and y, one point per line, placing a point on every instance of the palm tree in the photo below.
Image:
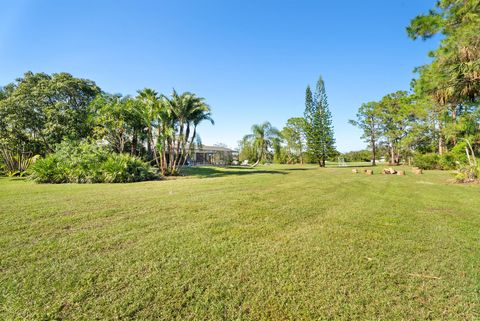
151	103
187	111
200	114
262	138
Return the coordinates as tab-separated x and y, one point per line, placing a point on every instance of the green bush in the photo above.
123	168
448	161
89	163
453	159
468	174
427	161
49	170
458	153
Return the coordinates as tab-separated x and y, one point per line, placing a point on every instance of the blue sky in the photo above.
250	59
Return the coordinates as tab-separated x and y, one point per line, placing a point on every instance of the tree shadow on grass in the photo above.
223	172
350	166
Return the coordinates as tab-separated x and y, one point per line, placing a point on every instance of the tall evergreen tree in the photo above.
319	128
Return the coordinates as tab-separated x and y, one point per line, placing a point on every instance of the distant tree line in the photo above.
39	112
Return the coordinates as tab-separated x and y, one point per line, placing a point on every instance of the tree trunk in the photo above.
149	139
440	145
392	155
454	120
170	144
133	150
258	160
256	163
374	152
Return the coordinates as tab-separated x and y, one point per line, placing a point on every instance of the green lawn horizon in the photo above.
277	242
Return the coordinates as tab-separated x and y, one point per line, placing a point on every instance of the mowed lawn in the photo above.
272	243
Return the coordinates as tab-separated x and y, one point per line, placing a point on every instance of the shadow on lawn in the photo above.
233	171
350	166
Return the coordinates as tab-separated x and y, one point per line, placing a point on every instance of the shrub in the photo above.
89	163
123	168
427	161
49	170
454	159
458	152
468	174
15	163
448	161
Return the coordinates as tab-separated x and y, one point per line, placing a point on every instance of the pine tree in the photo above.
319	128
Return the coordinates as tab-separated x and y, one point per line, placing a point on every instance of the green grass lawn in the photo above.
273	243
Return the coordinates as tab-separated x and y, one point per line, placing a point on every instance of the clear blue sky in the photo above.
250	59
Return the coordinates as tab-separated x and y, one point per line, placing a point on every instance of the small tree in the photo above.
294	135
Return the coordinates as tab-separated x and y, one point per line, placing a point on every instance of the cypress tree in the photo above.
319	128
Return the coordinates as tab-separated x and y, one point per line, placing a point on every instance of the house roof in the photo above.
205	148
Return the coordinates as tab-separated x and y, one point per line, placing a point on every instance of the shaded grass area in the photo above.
277	243
209	171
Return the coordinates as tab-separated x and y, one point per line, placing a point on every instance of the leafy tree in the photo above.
456	64
369	120
318	124
38	111
452	80
246	149
294	136
118	120
396	113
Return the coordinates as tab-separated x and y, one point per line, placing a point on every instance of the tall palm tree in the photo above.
201	113
262	138
187	111
151	103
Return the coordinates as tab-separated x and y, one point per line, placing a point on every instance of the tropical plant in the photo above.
261	140
119	121
15	163
86	162
181	114
471	171
39	111
150	115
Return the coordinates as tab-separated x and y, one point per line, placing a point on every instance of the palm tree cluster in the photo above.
161	128
38	112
